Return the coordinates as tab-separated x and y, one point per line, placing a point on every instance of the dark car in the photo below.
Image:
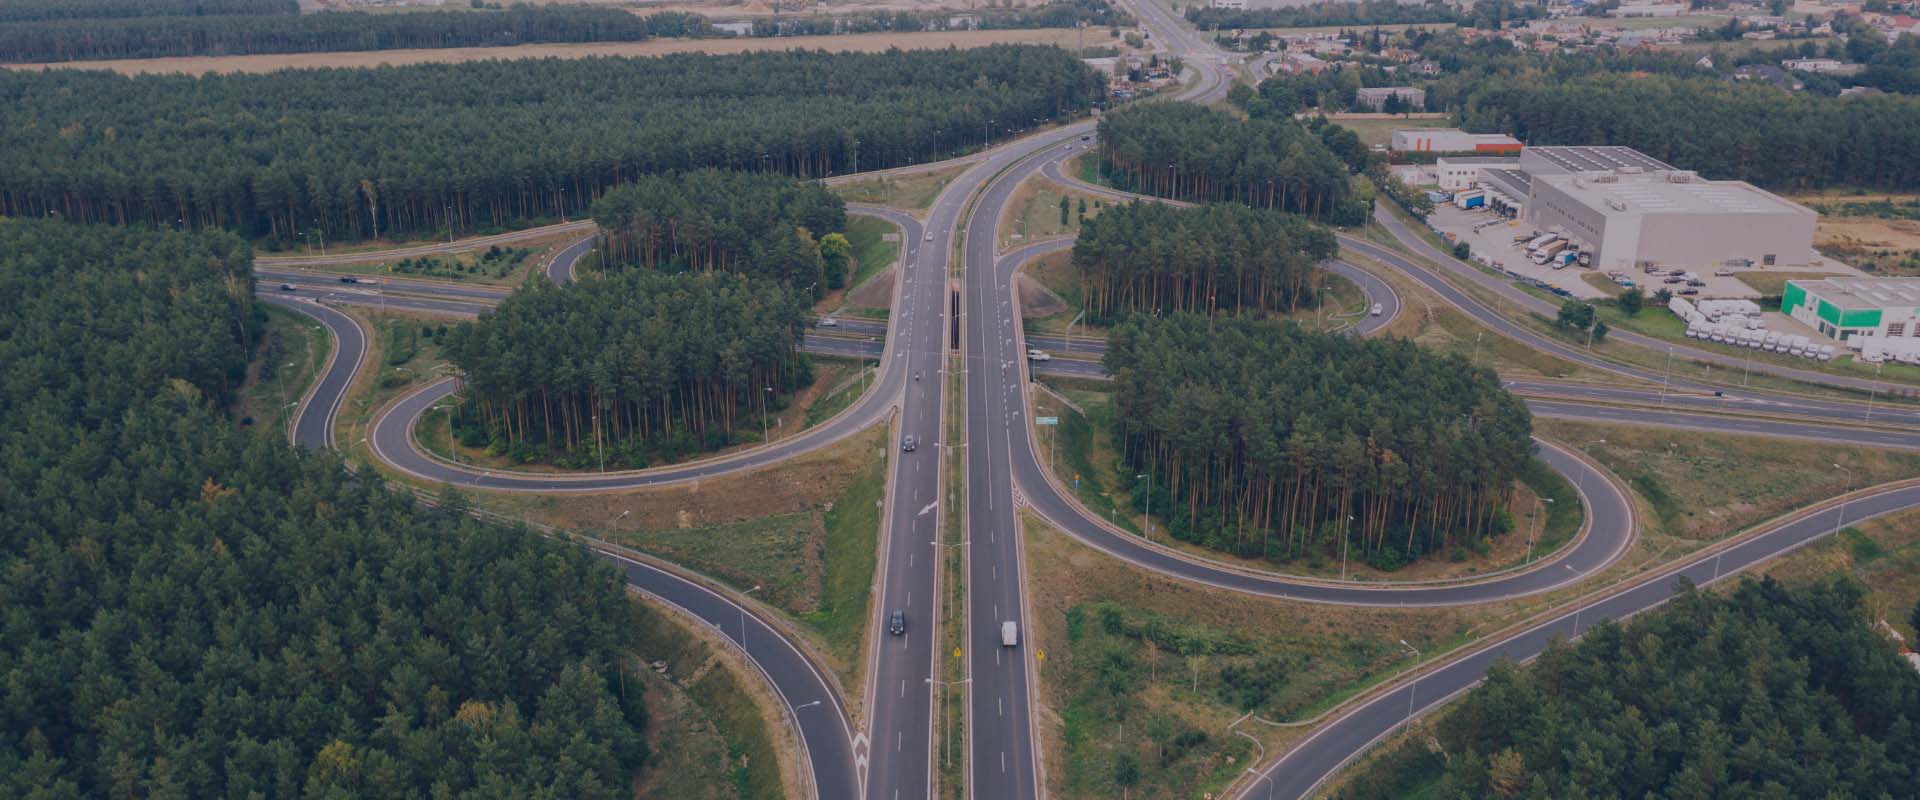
909	443
347	279
286	287
897	623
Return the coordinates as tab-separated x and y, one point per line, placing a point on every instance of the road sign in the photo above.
1046	420
956	652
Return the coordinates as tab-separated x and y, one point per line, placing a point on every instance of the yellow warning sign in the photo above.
956	652
1039	655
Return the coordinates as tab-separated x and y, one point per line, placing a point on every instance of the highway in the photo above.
810	697
891	758
1301	769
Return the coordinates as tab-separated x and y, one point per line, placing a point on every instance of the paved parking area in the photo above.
1495	242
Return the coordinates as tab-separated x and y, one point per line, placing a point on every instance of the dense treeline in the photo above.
1057	14
1186	151
29	10
1488	14
1326	13
1766	692
485	145
89	316
755	224
1753	133
636	365
1262	439
1216	258
195	610
156	37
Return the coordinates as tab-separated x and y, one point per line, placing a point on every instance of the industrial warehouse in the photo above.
1622	209
1844	308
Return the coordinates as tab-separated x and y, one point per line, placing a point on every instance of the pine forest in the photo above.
434	149
1208	259
1764	691
236	34
1190	152
756	224
635	366
192	609
1265	440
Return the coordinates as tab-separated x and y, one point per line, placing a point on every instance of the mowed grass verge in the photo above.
710	731
871	250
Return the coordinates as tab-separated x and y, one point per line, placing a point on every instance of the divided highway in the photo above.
892	757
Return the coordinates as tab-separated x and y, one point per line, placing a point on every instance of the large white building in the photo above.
1627	210
1452	140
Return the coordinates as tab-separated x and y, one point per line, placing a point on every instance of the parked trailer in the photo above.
1537	241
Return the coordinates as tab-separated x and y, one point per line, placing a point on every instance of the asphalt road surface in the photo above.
810	698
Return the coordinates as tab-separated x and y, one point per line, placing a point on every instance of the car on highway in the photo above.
286	287
1038	355
909	443
349	279
1379	309
897	623
1009	634
929	236
829	322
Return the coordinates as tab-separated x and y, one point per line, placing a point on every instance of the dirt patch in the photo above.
1036	300
877	292
865	43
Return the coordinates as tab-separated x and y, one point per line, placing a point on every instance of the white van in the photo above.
1009	634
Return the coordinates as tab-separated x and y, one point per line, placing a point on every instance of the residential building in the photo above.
1375	99
1648	10
1824	66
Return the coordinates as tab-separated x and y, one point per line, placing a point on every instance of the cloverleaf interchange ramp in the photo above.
1001	460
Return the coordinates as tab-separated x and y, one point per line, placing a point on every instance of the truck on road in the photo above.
1038	355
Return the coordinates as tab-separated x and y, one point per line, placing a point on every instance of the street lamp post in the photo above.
763	414
743	617
599	448
1345	535
1843	496
1149	477
945	758
1665	375
1872	390
1413	687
